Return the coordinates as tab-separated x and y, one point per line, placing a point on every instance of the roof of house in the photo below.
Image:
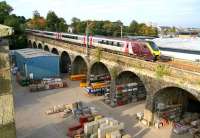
5	31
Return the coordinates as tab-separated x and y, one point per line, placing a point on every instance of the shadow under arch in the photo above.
30	44
79	66
133	89
46	48
40	46
99	68
34	45
55	51
176	96
65	62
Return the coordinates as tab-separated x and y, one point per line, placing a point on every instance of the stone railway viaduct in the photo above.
157	78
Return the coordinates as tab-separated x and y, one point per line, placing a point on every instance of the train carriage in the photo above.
145	49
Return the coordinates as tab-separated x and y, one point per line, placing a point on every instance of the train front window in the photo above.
153	46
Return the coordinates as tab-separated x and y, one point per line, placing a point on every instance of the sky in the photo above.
180	13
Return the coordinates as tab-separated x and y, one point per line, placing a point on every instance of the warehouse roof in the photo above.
31	53
179	43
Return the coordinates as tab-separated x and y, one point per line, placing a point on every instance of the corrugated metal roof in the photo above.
31	53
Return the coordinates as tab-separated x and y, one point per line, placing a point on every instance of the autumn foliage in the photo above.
37	23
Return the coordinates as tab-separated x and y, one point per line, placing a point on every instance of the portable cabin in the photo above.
37	63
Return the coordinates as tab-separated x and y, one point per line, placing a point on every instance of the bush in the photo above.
162	70
198	82
98	54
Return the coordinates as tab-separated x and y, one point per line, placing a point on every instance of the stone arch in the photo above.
140	77
79	65
131	84
34	45
30	44
65	62
46	48
176	96
126	76
40	46
98	68
99	72
55	51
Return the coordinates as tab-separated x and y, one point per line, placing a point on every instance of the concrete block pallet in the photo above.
47	84
93	125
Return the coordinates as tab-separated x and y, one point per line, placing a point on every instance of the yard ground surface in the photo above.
32	122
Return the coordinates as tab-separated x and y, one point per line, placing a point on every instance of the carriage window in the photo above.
119	44
71	37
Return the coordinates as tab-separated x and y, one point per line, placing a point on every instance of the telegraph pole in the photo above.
121	30
87	39
86	32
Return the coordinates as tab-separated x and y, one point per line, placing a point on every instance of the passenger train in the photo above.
144	49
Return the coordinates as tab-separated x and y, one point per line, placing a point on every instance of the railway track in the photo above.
184	65
175	63
172	62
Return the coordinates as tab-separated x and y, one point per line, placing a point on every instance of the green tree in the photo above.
133	28
108	28
116	28
76	24
75	20
54	23
141	29
18	40
12	21
62	25
5	10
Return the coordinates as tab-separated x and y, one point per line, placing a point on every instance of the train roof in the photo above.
141	37
136	38
106	38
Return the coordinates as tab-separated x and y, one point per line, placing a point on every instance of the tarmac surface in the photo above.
32	122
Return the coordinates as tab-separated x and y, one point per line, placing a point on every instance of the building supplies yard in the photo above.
32	122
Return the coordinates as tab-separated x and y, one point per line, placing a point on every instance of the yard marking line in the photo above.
139	132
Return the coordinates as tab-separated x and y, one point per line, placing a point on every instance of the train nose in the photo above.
157	53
